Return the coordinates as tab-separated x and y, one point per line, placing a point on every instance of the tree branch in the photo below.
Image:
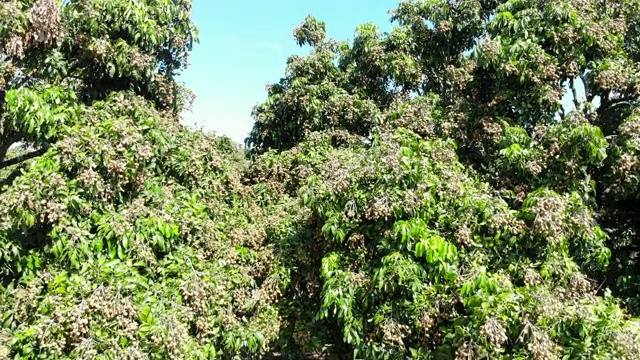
6	144
4	148
12	176
576	103
21	158
606	103
587	90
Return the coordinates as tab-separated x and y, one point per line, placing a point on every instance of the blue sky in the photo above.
244	45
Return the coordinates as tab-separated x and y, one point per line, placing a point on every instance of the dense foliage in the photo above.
423	193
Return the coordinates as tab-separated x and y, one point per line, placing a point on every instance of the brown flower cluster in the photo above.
46	26
541	346
394	332
548	214
494	332
466	351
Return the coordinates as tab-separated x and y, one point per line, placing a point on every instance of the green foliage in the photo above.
420	259
39	115
118	230
416	194
467	199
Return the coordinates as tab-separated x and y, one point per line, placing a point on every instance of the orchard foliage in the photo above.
90	49
415	257
422	193
459	208
122	253
124	235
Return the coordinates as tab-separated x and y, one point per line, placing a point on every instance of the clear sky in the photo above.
244	45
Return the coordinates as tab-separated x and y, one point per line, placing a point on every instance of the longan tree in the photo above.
424	193
457	206
123	235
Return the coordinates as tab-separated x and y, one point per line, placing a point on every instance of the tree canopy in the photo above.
422	193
